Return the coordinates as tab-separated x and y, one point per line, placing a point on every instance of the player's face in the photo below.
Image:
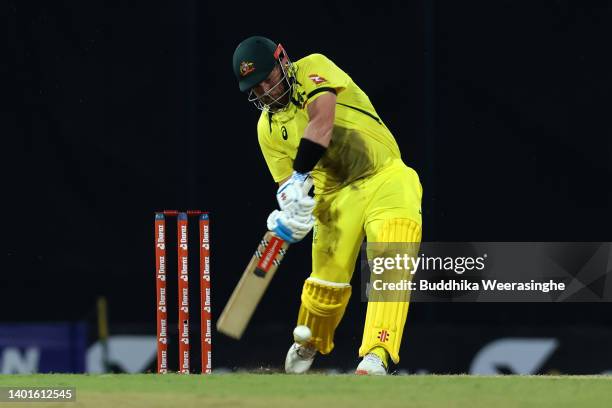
271	91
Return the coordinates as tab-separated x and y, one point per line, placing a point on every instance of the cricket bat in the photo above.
253	283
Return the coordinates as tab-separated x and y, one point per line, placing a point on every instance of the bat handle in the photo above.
308	183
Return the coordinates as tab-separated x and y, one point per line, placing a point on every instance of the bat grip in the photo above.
308	183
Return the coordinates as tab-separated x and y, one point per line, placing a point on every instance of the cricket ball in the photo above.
302	334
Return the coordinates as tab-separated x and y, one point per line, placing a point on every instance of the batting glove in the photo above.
290	227
292	195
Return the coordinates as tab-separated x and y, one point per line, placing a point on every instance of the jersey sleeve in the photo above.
279	163
319	74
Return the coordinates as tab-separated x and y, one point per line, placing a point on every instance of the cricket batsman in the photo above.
316	122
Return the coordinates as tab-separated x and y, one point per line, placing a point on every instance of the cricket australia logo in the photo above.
246	68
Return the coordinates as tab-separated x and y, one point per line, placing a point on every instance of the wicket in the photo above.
183	290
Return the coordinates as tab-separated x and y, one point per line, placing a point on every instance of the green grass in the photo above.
321	391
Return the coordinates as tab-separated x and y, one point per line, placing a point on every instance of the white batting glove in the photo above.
292	195
290	227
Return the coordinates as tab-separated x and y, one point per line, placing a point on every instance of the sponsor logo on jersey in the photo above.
317	79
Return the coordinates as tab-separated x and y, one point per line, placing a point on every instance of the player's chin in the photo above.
267	101
280	104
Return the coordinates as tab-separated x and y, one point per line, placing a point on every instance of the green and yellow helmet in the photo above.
254	59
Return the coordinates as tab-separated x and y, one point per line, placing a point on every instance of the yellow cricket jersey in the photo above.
360	145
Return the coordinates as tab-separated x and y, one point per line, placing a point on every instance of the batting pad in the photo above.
323	305
385	320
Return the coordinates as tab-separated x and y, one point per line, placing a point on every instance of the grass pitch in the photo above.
315	390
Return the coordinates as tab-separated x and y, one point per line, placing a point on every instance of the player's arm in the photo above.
316	139
321	114
314	143
318	133
295	220
292	197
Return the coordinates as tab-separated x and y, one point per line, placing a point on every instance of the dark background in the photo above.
118	109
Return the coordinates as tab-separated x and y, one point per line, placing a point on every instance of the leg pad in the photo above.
323	305
385	320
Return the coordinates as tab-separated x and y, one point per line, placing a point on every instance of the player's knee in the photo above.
333	272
